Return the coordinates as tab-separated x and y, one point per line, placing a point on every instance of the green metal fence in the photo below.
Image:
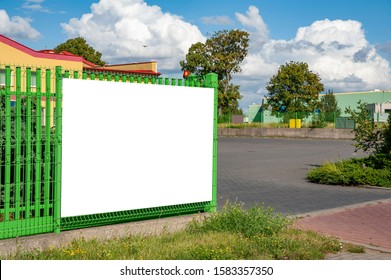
30	160
30	152
265	118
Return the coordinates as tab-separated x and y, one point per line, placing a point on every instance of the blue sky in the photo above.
347	42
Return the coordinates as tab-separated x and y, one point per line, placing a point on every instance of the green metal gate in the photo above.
30	151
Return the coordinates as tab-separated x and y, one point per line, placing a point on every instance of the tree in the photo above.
328	106
294	89
367	137
222	54
386	135
78	46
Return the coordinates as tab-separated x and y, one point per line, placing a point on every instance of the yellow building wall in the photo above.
13	57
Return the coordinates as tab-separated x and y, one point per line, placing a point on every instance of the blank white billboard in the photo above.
130	146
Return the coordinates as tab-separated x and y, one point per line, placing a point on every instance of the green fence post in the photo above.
7	191
47	142
211	81
28	144
58	153
75	74
38	149
18	140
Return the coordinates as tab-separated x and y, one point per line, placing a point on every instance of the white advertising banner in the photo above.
131	146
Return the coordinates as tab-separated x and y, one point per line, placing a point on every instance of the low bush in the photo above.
374	170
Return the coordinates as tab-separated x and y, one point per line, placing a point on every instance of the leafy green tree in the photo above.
386	135
367	137
222	54
329	106
294	89
78	46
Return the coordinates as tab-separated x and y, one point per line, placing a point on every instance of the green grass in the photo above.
232	234
374	170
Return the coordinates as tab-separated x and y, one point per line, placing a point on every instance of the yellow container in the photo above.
295	123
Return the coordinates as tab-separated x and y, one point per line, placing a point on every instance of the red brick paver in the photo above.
369	224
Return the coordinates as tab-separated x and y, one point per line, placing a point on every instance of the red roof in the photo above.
65	55
39	54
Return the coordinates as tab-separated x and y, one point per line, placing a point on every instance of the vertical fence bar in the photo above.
211	80
47	142
37	167
58	152
18	124
28	144
7	191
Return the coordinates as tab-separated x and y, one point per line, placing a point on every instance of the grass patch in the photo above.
232	234
374	170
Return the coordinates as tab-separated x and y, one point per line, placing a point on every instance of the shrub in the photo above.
373	170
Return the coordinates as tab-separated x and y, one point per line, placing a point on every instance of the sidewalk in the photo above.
367	224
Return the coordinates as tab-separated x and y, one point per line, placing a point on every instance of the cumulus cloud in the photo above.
253	22
131	31
335	49
17	27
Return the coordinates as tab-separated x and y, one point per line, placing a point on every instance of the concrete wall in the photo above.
319	133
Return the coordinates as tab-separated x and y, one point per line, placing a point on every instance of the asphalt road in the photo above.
272	172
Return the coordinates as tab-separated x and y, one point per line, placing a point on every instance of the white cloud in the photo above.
256	26
335	49
217	20
17	27
34	5
131	31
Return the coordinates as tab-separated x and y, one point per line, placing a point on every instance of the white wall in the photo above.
131	146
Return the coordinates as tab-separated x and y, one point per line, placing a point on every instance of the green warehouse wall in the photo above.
351	98
345	99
